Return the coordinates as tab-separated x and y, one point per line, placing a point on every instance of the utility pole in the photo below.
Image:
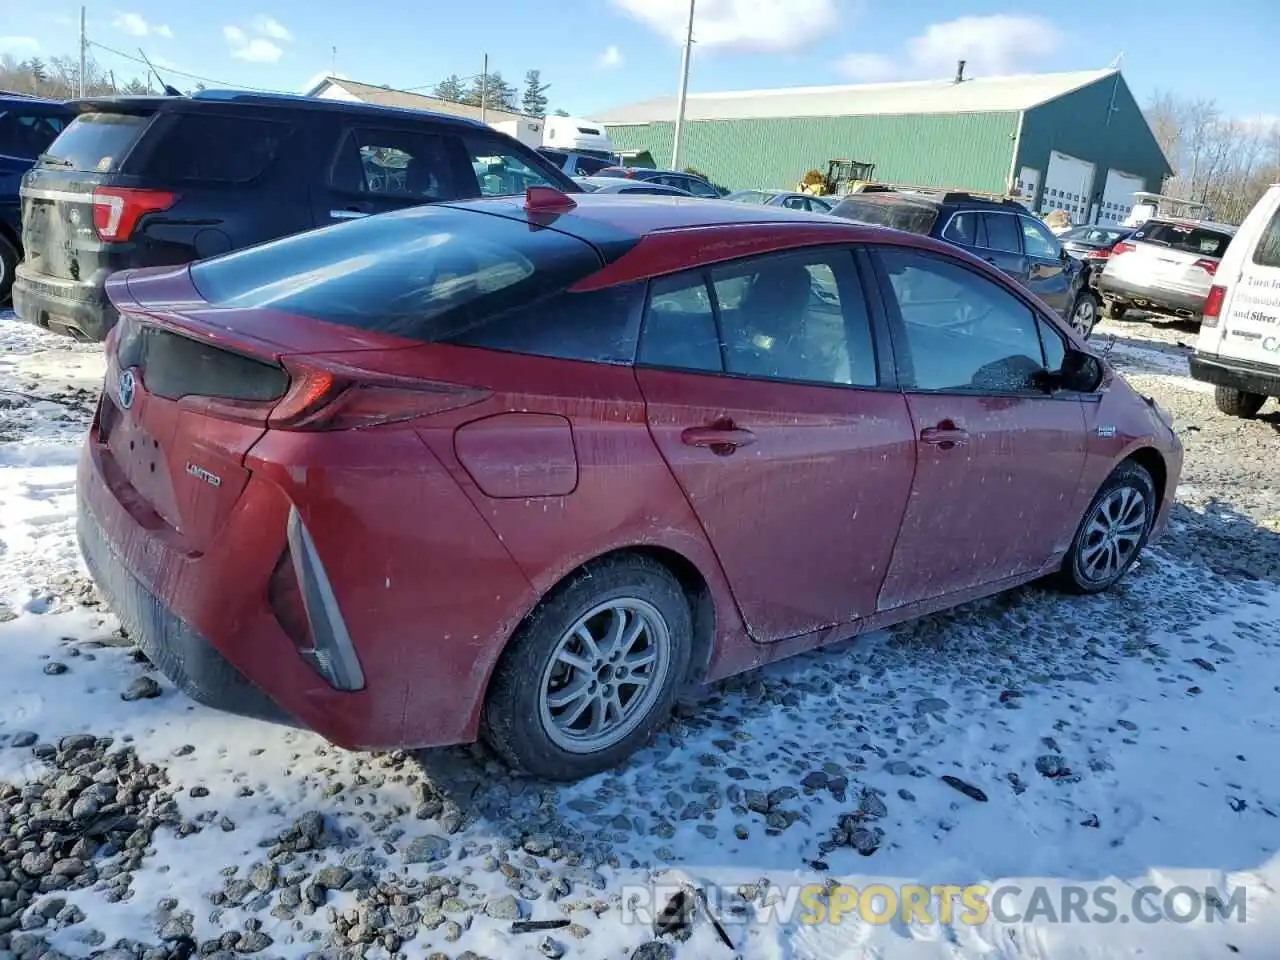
84	49
333	68
484	91
684	90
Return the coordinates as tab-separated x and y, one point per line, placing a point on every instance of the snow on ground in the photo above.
1100	745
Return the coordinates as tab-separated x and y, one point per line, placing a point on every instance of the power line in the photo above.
177	72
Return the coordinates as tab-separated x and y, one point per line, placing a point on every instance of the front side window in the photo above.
680	325
396	164
1002	232
503	171
963	332
1037	241
700	189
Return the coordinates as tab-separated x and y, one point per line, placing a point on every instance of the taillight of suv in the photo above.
117	210
1213	305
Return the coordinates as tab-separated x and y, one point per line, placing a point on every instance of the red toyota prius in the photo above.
524	468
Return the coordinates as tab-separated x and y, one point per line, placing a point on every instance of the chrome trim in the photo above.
35	193
347	214
334	655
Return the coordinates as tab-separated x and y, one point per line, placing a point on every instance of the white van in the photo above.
1239	346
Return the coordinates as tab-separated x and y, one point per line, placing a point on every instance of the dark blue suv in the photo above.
1002	232
27	126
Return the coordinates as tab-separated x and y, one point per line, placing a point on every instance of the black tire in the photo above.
512	720
1114	309
1238	403
1075	574
9	259
1084	328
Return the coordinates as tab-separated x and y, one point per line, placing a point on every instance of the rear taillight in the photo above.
1098	254
1213	306
1208	266
1122	247
117	210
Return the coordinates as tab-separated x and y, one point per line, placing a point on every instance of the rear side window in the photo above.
1267	252
502	169
1184	237
427	273
27	135
226	149
97	141
911	217
1002	232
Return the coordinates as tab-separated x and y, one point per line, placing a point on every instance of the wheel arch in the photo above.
1152	460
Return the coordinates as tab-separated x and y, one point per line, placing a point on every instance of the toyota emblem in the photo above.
126	389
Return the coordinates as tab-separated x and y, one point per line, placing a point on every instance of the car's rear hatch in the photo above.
1170	255
76	198
883	210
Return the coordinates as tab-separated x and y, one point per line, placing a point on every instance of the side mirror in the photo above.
1081	372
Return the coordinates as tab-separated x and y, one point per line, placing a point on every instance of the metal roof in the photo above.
976	95
406	100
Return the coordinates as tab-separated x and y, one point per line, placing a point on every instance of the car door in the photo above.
767	399
376	169
999	459
1002	246
1048	273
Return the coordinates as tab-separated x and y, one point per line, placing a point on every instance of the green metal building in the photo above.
1071	141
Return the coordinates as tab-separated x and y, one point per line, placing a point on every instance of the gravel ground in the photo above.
1030	735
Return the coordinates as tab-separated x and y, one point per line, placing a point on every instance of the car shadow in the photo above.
757	774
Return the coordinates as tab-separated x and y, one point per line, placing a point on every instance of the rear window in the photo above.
902	215
1267	252
1184	237
203	147
97	141
428	273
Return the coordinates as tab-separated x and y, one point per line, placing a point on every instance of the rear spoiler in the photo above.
135	106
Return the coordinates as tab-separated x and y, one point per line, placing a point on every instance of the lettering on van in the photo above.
1271	344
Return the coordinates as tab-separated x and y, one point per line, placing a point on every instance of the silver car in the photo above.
1166	266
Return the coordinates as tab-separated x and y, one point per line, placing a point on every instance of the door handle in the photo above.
945	436
721	441
352	211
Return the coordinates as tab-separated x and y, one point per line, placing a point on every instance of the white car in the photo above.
1239	347
1166	266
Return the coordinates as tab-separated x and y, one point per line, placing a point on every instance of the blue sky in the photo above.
600	53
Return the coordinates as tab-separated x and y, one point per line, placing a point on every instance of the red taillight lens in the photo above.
1123	246
117	210
1208	266
1099	254
630	172
1213	306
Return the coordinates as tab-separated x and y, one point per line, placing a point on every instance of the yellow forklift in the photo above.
843	176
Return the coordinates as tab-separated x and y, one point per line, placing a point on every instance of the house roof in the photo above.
976	95
406	100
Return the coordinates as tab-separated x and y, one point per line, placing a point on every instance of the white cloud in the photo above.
19	45
738	24
271	27
136	25
991	46
611	58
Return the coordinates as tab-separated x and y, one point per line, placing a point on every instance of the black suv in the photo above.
687	182
152	181
1002	232
27	126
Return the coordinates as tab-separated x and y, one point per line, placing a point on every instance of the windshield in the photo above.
96	141
899	214
1184	237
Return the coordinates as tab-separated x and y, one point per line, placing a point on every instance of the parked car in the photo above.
778	198
145	181
1239	346
687	182
448	473
1093	245
1002	233
27	126
1166	266
631	187
577	164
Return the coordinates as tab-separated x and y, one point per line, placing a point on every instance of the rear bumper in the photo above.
1238	374
78	309
1153	297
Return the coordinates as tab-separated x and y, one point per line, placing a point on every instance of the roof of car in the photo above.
948	198
291	101
16	98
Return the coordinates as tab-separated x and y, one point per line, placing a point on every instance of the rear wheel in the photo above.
8	264
1238	403
1084	313
1115	310
592	672
1113	532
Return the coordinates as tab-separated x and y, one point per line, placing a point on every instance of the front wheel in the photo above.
592	672
1084	313
1113	532
1238	403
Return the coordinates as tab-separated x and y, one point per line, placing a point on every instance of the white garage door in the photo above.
1117	196
1067	185
1028	183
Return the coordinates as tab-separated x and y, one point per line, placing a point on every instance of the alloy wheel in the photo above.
1113	534
1085	315
604	675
